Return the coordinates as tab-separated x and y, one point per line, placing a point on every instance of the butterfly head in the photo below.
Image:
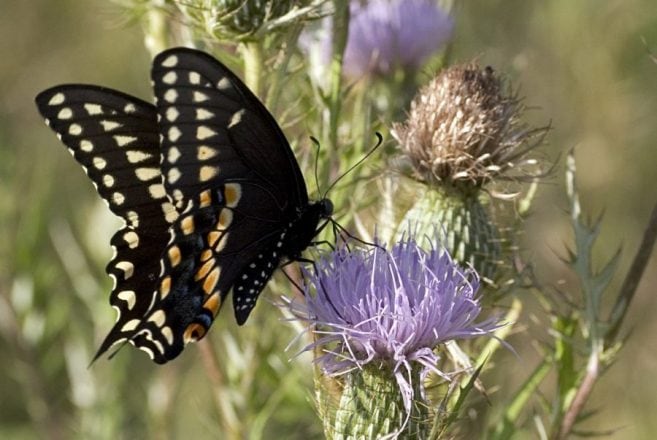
325	207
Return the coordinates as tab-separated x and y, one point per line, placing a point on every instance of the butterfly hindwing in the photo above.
114	137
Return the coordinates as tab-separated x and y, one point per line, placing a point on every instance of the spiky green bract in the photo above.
246	20
463	223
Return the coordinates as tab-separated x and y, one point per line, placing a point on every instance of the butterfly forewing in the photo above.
215	129
115	138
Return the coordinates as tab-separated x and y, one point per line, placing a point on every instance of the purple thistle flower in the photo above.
383	35
392	306
386	34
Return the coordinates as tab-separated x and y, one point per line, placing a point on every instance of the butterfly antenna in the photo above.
316	142
360	161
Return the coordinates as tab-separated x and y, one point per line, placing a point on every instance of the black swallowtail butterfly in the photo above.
208	186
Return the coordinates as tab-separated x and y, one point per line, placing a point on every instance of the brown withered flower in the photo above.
465	127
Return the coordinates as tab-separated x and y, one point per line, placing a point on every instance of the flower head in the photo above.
464	126
392	307
384	35
389	34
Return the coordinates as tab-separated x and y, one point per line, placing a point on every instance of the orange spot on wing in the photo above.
211	281
213	304
203	271
193	333
165	287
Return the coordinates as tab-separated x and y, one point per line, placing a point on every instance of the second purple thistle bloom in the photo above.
373	305
388	34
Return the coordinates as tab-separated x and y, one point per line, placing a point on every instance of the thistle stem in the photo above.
226	412
156	28
253	66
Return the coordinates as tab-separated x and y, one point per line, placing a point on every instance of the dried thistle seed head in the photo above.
465	127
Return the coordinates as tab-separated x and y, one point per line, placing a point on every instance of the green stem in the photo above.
253	66
340	33
156	28
276	82
633	277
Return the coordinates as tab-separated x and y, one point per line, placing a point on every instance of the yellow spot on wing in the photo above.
165	287
207	172
187	225
211	281
203	271
225	219
206	255
213	236
205	199
213	304
232	193
174	255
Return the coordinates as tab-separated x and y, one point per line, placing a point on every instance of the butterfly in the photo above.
210	191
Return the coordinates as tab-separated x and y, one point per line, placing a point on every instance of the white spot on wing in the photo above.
86	146
93	109
118	198
203	114
65	113
168	334
171	95
132	239
194	78
75	129
99	163
122	140
108	180
170	61
158	317
236	118
172	114
204	152
145	174
173	155
133	219
170	77
207	172
57	98
136	156
128	295
173	134
200	97
223	84
174	175
170	213
110	125
128	269
157	191
130	108
204	132
130	325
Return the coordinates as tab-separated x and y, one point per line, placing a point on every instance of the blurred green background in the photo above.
582	65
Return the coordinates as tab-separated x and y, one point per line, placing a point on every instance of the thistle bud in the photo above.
245	19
